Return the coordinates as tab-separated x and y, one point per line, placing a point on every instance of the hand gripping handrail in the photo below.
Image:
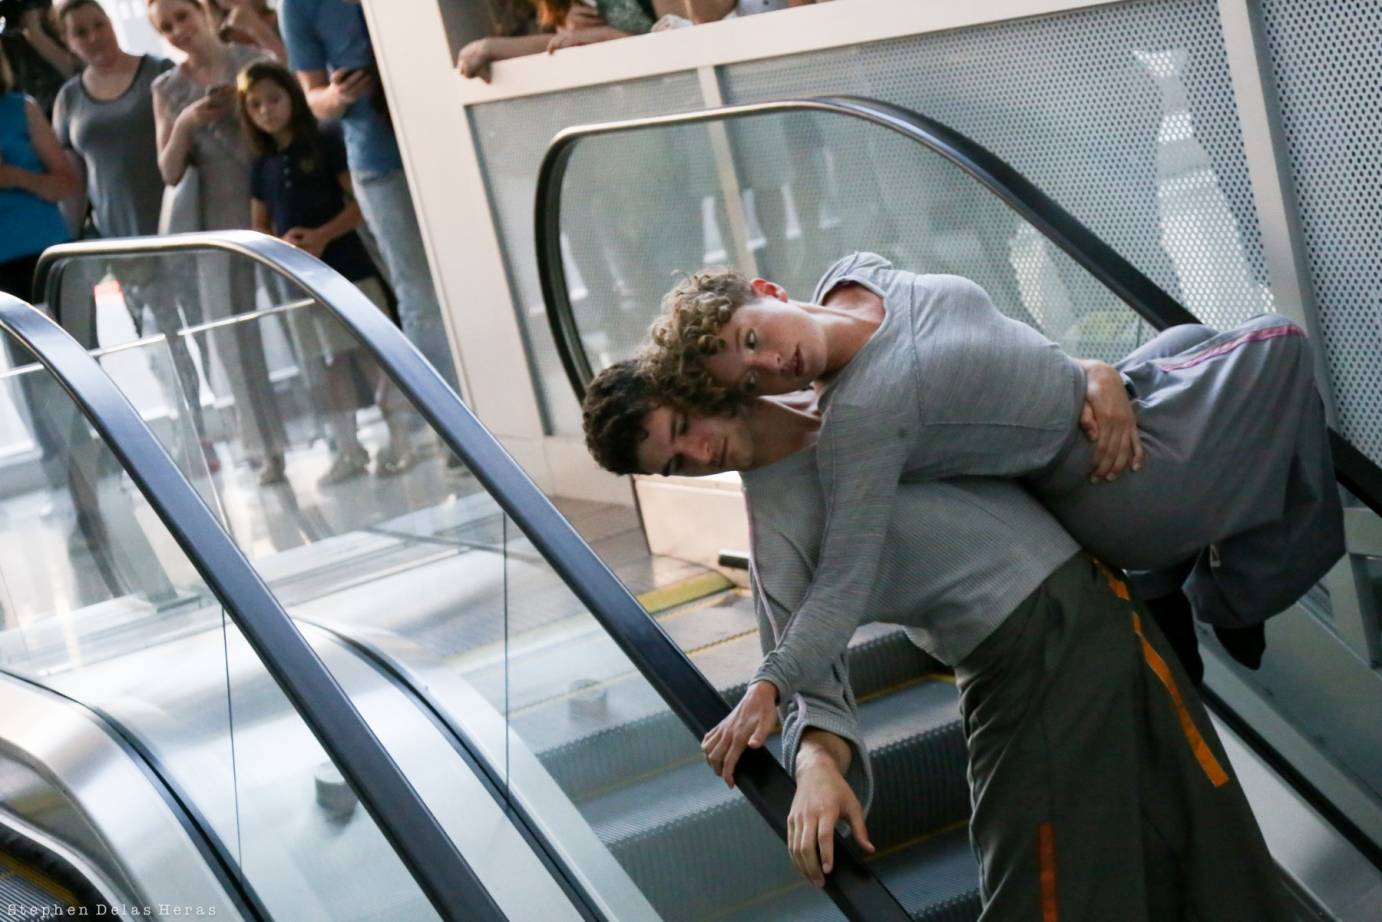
406	822
694	700
1355	470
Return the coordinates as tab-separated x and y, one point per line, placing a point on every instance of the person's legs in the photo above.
1100	789
227	289
388	211
398	456
1053	764
1191	799
1169	342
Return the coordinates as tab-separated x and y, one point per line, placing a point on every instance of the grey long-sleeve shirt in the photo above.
946	387
957	557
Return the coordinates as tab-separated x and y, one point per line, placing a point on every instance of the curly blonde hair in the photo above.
688	330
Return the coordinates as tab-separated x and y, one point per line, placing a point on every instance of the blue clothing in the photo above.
28	224
330	35
302	188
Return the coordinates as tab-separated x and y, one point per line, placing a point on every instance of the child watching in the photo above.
301	192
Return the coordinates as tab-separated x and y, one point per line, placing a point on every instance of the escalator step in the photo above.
935	881
630	732
26	893
669	830
544	669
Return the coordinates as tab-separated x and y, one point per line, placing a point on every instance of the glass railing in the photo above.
786	188
454	575
105	608
114	590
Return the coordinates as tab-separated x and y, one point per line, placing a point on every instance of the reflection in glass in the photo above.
813	187
99	603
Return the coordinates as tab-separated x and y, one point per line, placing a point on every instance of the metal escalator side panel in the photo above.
498	767
113	810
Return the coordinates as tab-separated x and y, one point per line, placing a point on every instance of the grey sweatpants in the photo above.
1236	498
1100	790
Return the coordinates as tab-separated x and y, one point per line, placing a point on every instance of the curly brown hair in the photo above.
612	413
688	330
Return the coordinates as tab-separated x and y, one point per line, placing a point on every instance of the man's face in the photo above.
694	446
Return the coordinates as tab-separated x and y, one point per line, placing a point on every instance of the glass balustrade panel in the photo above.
102	605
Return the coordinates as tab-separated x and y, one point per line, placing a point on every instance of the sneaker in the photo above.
346	466
392	461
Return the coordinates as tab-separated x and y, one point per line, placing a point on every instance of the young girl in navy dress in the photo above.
301	192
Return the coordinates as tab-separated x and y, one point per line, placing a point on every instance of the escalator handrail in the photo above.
696	702
1355	470
405	820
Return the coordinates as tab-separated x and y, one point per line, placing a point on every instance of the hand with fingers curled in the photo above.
747	727
822	800
1109	421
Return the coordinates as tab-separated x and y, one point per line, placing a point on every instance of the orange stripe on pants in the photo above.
1046	843
1215	772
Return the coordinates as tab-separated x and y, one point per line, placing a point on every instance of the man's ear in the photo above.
766	289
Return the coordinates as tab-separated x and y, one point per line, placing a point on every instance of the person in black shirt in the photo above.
301	191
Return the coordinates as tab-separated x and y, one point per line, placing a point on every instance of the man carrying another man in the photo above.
1100	790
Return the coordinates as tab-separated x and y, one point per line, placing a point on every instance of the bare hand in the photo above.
31	21
567	40
307	238
474	59
747	726
352	85
581	16
204	111
1107	418
823	798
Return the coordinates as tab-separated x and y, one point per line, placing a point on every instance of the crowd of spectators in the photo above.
524	27
274	119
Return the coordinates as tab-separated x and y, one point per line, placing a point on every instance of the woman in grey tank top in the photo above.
105	116
194	111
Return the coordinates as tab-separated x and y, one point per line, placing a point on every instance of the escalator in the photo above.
498	665
452	604
845	174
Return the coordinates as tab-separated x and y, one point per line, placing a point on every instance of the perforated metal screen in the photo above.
1333	127
1122	113
511	137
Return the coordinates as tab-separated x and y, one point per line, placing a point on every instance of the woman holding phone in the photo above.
195	114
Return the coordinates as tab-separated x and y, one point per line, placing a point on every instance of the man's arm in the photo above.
1109	421
330	97
58	57
57	180
699	11
474	59
822	799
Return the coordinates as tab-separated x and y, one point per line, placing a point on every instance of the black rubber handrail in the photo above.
687	692
402	816
1356	471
